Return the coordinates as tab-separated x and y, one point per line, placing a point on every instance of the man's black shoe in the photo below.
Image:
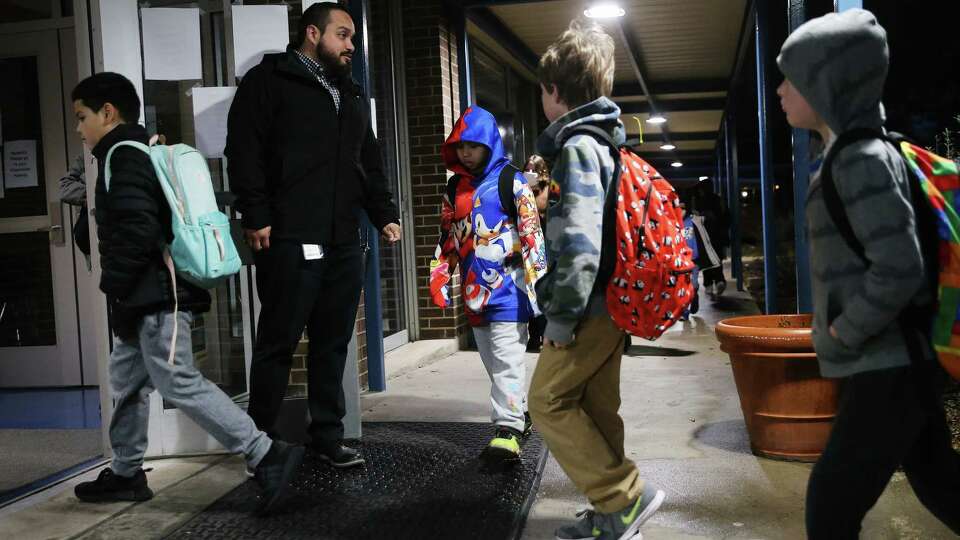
275	471
110	487
338	455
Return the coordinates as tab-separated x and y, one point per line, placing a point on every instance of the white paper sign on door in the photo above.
20	164
171	44
258	30
210	108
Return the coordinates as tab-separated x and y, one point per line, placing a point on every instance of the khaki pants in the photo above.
574	402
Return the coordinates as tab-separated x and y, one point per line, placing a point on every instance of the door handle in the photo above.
55	230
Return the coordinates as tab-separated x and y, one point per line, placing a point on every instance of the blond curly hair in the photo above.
579	63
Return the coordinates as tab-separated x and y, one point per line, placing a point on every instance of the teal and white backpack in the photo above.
202	250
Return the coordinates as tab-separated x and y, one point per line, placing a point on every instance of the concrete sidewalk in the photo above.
685	430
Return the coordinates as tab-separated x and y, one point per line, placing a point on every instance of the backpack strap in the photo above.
608	246
452	184
167	259
505	187
106	164
913	318
831	197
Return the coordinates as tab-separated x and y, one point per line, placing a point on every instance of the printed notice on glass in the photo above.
20	164
210	108
258	30
171	44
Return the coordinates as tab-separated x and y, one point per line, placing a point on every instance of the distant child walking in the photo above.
541	188
498	246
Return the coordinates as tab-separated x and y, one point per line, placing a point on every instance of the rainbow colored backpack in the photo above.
935	190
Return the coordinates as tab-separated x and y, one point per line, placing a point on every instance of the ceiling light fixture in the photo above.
702	178
668	147
604	10
657	119
677	164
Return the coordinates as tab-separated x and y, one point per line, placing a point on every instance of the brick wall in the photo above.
433	105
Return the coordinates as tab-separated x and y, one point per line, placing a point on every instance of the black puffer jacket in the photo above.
297	165
133	226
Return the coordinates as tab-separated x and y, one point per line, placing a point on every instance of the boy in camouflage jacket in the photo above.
575	392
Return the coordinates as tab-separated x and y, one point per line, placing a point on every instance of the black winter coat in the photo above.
133	226
297	165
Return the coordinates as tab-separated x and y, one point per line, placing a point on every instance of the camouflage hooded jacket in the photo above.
583	170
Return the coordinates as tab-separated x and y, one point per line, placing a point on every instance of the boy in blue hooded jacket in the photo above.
500	261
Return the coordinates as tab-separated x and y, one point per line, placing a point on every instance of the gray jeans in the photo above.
138	366
502	348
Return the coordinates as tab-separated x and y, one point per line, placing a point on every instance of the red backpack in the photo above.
644	255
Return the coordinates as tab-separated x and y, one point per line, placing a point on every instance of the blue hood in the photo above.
478	126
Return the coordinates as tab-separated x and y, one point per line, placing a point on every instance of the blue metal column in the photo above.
733	174
463	60
370	236
796	15
843	5
766	169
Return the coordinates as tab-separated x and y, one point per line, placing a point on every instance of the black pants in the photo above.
323	296
713	275
886	419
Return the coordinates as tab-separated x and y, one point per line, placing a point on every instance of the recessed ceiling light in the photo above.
604	10
657	119
744	194
702	178
668	147
676	164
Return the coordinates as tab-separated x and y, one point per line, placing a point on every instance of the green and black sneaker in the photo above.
503	448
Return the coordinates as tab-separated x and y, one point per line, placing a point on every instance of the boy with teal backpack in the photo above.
145	239
873	277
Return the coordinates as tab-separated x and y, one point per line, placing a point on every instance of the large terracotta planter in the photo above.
788	407
951	363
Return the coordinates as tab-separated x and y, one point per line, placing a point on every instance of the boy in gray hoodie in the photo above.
889	413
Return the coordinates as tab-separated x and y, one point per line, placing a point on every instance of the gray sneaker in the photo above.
621	525
626	523
587	527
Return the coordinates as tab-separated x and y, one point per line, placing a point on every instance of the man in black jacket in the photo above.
303	162
133	229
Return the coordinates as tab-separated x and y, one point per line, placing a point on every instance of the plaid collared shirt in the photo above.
317	69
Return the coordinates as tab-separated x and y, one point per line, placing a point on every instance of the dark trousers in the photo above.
323	296
886	419
713	275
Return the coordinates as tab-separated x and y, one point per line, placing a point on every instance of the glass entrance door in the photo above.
39	342
222	337
383	71
49	402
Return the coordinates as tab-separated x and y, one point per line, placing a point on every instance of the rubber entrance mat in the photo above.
421	480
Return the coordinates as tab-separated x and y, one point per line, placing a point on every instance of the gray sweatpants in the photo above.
502	347
138	366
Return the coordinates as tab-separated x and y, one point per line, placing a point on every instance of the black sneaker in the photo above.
527	425
275	471
338	455
111	487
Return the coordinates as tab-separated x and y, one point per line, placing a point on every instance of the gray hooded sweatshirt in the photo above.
838	63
